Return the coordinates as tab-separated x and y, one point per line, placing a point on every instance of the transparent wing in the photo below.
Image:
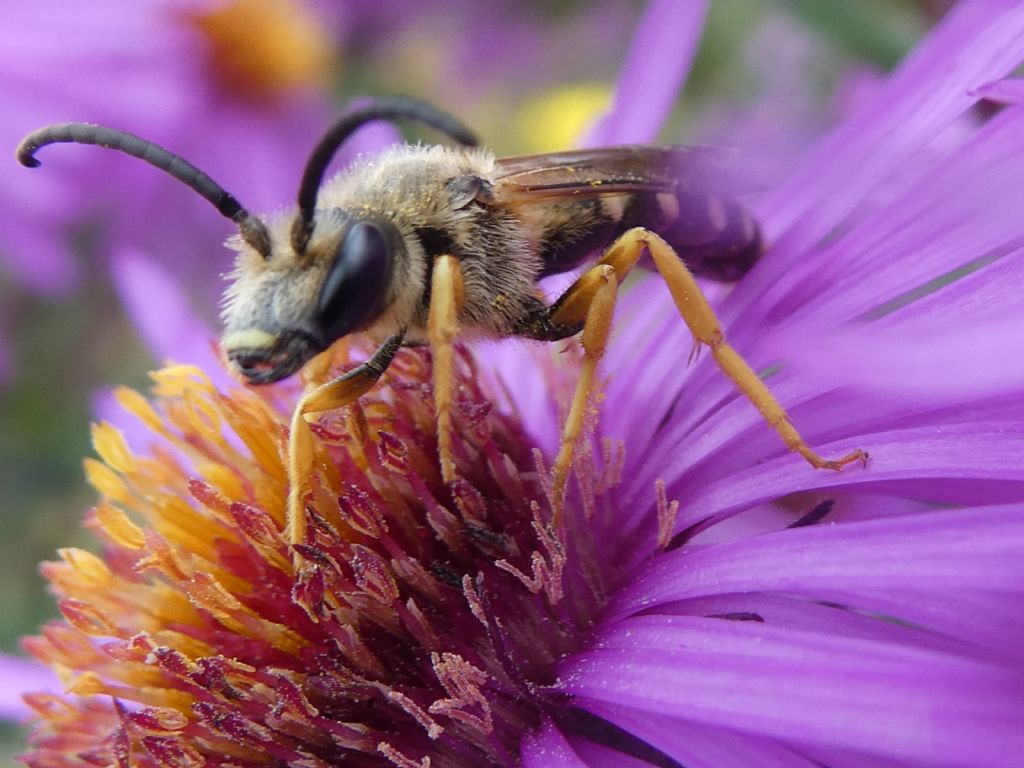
583	199
595	172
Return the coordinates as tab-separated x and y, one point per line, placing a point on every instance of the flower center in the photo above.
261	49
422	629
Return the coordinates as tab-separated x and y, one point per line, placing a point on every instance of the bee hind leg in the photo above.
591	299
446	299
336	393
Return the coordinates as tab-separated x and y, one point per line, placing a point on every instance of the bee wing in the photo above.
585	198
594	172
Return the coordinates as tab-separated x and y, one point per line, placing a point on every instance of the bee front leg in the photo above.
343	390
446	300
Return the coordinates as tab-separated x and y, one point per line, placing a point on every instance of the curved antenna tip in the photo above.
26	155
252	229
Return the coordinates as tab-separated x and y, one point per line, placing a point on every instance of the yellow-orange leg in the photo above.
343	390
446	296
591	299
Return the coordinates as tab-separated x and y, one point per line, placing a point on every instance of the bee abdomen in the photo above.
714	235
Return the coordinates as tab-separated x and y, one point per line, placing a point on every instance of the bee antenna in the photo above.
252	230
385	108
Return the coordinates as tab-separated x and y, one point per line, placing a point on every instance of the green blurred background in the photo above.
64	350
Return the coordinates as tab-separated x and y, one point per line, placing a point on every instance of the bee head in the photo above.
282	312
274	327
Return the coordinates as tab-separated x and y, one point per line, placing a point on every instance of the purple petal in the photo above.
933	367
974	44
34	255
952	463
164	316
22	676
655	69
1009	90
884	146
275	149
968	622
904	703
598	756
520	374
966	627
965	550
369	139
548	748
59	62
835	758
701	745
963	210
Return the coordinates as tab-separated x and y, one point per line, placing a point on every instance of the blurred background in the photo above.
108	266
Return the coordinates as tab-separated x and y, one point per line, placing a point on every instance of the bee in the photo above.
425	244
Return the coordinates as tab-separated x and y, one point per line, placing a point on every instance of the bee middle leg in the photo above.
343	390
591	300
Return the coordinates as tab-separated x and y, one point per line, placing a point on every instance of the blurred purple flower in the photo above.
198	76
769	134
53	59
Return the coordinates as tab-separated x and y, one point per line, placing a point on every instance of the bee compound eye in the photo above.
354	289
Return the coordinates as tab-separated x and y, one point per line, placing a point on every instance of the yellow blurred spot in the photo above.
556	119
260	49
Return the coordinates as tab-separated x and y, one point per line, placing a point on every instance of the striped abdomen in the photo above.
714	235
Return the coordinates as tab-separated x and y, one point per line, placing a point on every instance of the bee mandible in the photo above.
426	243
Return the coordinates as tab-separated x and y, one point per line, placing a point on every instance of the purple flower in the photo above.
710	599
49	61
887	315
